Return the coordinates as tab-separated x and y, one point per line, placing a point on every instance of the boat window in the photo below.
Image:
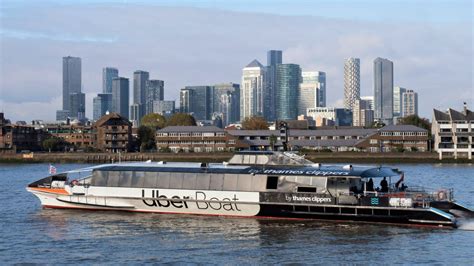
163	180
217	182
247	159
125	179
230	182
189	181
203	180
272	182
150	179
244	183
138	179
113	179
99	178
176	180
306	189
318	181
258	182
305	180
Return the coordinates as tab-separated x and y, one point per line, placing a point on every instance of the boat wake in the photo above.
466	224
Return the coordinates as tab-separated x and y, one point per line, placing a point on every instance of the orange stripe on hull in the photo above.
59	191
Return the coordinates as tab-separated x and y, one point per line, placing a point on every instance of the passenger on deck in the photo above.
403	187
384	185
370	185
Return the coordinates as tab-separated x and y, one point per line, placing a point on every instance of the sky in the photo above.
207	42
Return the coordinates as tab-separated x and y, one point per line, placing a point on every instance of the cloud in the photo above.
193	46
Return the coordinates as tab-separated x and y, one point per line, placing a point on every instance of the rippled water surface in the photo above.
30	234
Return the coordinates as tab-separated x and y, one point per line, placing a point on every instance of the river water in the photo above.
30	234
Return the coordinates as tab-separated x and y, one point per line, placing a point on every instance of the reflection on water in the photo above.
34	235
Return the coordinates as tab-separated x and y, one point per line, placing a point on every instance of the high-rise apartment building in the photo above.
101	105
409	103
108	74
362	115
155	91
198	101
351	82
287	91
120	96
274	57
383	90
252	90
397	101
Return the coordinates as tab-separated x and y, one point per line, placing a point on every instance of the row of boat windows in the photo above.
195	181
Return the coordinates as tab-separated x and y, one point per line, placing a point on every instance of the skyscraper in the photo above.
252	90
287	89
72	77
223	93
274	57
120	96
312	91
102	104
108	74
140	80
397	101
351	82
197	100
77	108
383	90
409	103
155	91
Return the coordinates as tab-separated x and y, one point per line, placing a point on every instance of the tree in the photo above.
154	121
146	138
53	144
254	123
181	119
416	121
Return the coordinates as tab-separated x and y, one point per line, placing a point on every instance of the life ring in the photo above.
74	182
441	195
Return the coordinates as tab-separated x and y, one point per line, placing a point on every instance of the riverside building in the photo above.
453	133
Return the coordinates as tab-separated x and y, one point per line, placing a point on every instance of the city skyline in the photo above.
417	59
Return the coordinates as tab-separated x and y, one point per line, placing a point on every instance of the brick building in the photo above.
194	138
18	137
396	138
112	133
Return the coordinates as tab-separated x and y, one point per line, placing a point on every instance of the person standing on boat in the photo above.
370	185
384	185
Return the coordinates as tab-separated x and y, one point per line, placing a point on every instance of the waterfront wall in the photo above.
320	157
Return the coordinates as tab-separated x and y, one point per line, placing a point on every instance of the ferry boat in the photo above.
262	184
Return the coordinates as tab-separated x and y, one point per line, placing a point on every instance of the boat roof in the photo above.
224	168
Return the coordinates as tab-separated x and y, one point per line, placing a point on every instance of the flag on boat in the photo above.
52	169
